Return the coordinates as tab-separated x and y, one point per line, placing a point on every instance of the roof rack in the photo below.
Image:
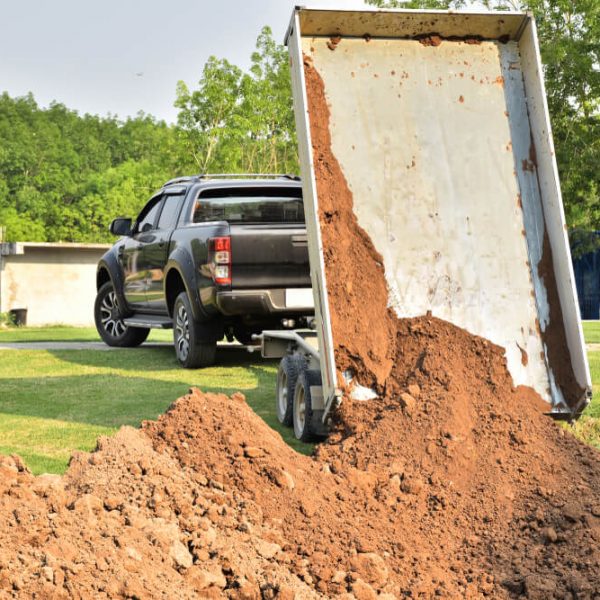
188	178
249	176
179	180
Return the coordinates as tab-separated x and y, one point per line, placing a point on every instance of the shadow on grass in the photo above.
155	358
113	398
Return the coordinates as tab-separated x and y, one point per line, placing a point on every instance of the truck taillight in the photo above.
219	256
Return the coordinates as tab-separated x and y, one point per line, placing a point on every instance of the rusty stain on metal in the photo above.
528	165
532	153
333	42
429	39
461	99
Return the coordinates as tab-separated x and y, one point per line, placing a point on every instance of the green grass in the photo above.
587	427
64	333
54	402
591	332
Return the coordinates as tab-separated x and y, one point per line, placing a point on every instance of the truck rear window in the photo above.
250	205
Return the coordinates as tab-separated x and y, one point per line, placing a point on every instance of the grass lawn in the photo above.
65	333
587	428
591	332
54	402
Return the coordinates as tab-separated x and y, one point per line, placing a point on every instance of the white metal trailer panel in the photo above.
448	153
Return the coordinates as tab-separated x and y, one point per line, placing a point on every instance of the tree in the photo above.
569	34
241	122
52	160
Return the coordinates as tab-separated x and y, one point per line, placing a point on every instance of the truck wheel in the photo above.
287	375
191	352
109	322
304	428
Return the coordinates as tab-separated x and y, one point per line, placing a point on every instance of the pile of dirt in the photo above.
129	522
455	486
451	484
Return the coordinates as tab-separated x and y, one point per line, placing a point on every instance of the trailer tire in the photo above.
289	370
303	415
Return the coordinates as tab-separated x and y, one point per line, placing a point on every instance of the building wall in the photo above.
56	283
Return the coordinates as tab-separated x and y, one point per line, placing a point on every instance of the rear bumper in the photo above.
259	302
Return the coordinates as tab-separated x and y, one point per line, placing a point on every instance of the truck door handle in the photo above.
161	244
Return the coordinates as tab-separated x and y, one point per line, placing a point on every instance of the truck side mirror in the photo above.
121	226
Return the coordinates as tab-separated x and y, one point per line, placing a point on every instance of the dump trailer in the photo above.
440	125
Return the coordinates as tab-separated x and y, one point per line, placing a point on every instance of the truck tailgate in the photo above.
267	256
440	126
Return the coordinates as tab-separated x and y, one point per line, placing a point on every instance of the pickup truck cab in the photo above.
210	257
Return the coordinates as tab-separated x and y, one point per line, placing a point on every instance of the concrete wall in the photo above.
56	283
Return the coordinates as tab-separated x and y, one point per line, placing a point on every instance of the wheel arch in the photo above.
180	270
109	269
174	285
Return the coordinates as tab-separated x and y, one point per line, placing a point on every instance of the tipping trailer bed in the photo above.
440	125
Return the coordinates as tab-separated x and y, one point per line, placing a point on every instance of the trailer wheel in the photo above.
304	427
290	368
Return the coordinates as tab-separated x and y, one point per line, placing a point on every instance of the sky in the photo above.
122	56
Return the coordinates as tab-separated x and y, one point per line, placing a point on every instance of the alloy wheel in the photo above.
110	316
182	333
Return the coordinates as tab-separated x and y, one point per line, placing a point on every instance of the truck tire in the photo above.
290	368
304	428
191	352
109	322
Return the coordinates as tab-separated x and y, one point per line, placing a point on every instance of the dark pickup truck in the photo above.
210	257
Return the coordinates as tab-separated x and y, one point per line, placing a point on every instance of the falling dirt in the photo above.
347	245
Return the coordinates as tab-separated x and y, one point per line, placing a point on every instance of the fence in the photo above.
55	282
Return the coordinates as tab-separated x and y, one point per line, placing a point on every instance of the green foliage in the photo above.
241	122
569	34
64	177
6	320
